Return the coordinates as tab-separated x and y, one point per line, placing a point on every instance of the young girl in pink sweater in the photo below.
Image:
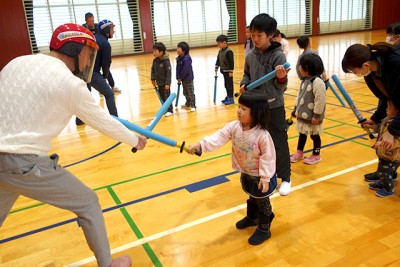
253	154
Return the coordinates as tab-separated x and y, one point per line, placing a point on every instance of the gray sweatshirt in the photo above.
258	64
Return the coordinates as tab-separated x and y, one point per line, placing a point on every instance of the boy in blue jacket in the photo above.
184	75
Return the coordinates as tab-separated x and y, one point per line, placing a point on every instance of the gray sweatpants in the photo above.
41	178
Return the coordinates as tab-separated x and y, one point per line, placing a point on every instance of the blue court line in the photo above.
190	188
96	155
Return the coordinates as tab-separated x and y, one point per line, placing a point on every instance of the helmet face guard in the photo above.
87	57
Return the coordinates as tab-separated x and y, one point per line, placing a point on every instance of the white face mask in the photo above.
363	74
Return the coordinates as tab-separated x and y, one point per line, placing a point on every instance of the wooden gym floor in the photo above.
170	209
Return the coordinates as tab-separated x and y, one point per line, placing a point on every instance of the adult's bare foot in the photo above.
123	261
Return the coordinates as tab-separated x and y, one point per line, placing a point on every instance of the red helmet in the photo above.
70	38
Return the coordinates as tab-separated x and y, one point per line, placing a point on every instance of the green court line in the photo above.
135	228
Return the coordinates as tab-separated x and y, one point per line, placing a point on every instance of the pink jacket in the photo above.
253	151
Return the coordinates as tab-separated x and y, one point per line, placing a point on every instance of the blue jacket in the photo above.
184	70
103	58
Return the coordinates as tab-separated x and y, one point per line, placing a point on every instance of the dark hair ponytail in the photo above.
358	54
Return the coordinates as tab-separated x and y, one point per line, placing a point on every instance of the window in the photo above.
44	16
345	15
293	16
198	22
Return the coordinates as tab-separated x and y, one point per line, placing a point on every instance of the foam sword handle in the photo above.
349	101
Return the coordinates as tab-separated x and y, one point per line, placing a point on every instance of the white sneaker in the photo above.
285	188
193	109
168	114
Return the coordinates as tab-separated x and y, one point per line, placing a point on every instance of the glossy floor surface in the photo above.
165	208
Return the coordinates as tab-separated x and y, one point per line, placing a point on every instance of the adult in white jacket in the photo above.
40	94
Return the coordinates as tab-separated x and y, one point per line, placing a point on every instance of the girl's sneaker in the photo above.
297	156
375	185
384	193
312	159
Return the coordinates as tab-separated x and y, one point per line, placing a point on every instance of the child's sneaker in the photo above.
312	159
168	114
371	177
375	185
229	101
297	156
285	188
193	109
225	99
384	193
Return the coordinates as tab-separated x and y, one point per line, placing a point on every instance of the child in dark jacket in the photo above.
161	73
226	62
184	75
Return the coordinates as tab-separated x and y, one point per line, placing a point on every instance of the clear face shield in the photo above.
87	58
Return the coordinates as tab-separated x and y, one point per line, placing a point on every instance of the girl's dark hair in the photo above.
184	46
312	64
263	23
303	41
276	33
222	38
358	54
389	29
259	109
160	47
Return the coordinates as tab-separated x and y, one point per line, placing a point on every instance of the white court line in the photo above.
217	215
